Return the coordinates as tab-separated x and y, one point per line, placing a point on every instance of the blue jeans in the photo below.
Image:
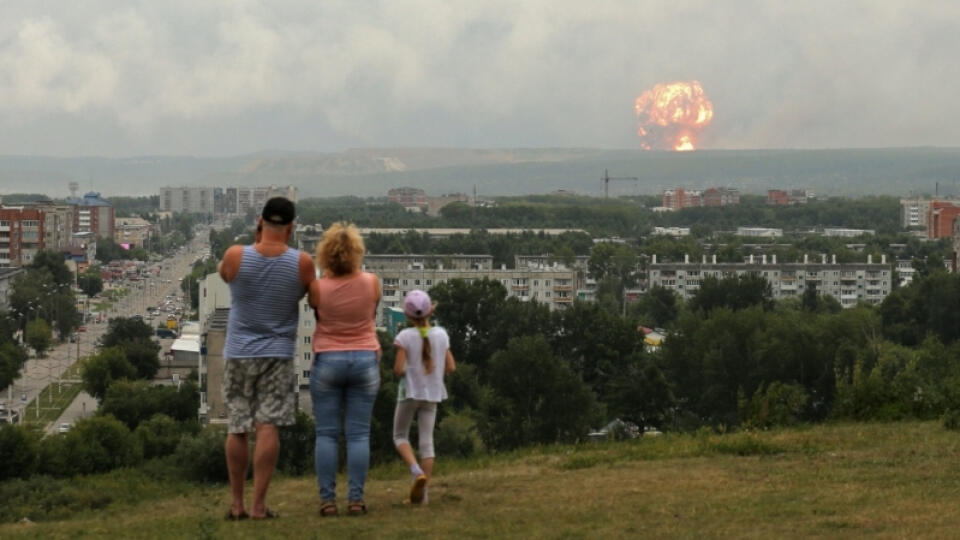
344	381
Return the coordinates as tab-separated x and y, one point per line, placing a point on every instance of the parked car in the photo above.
82	329
64	427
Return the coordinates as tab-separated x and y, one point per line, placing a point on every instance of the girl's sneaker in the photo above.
419	489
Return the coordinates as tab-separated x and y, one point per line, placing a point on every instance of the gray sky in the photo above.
118	78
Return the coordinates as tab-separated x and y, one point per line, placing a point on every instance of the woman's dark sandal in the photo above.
356	508
236	517
269	514
328	509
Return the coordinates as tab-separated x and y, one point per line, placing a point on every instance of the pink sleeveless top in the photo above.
346	311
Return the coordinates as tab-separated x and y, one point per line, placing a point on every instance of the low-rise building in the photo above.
785	197
847	233
441	233
675	232
411	198
759	232
849	283
132	231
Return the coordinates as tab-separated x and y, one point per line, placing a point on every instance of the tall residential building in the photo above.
188	200
21	234
678	198
92	214
58	220
913	212
376	263
849	283
940	218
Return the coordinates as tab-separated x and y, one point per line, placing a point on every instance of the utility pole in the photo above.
607	178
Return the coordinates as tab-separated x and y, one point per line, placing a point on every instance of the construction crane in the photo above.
606	182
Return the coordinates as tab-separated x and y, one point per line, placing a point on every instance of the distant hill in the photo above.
372	171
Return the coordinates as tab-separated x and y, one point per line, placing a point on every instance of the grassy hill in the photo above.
850	480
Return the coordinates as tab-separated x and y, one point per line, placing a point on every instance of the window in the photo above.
306	340
306	356
306	374
405	282
429	282
416	282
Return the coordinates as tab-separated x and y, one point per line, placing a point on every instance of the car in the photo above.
64	427
82	329
74	337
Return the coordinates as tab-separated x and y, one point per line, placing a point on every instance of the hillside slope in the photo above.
890	480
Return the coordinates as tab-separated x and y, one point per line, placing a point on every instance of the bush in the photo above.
951	420
133	402
457	436
203	458
158	436
99	444
19	450
296	446
778	404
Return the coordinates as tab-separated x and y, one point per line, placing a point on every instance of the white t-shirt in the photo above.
416	384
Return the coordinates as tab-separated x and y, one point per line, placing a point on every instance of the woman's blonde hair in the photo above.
341	250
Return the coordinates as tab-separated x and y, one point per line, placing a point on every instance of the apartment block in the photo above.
21	234
786	197
188	199
849	283
555	287
847	233
940	218
721	196
216	200
377	263
93	214
678	198
913	212
133	231
413	199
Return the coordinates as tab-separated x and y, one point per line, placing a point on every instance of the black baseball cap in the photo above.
279	211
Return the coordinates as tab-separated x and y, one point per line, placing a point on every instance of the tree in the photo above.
608	259
735	293
38	336
18	446
52	263
657	308
133	402
536	399
124	329
12	358
102	369
158	436
90	281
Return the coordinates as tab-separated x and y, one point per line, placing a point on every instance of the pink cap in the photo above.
417	304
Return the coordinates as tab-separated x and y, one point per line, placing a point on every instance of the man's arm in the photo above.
230	264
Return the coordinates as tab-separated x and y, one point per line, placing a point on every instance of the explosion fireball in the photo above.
670	116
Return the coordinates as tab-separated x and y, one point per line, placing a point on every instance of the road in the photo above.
39	372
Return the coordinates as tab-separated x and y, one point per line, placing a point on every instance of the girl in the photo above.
420	350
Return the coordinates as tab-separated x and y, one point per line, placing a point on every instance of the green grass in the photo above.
833	481
54	399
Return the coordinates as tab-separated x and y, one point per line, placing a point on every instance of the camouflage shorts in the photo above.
259	390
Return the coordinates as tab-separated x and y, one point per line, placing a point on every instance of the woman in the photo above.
346	375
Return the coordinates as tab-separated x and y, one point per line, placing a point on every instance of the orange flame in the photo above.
670	116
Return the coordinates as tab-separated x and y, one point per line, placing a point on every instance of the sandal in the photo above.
268	514
328	509
356	508
236	517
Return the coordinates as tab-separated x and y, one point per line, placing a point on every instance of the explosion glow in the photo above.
670	116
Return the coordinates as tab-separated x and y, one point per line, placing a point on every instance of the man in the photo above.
267	280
